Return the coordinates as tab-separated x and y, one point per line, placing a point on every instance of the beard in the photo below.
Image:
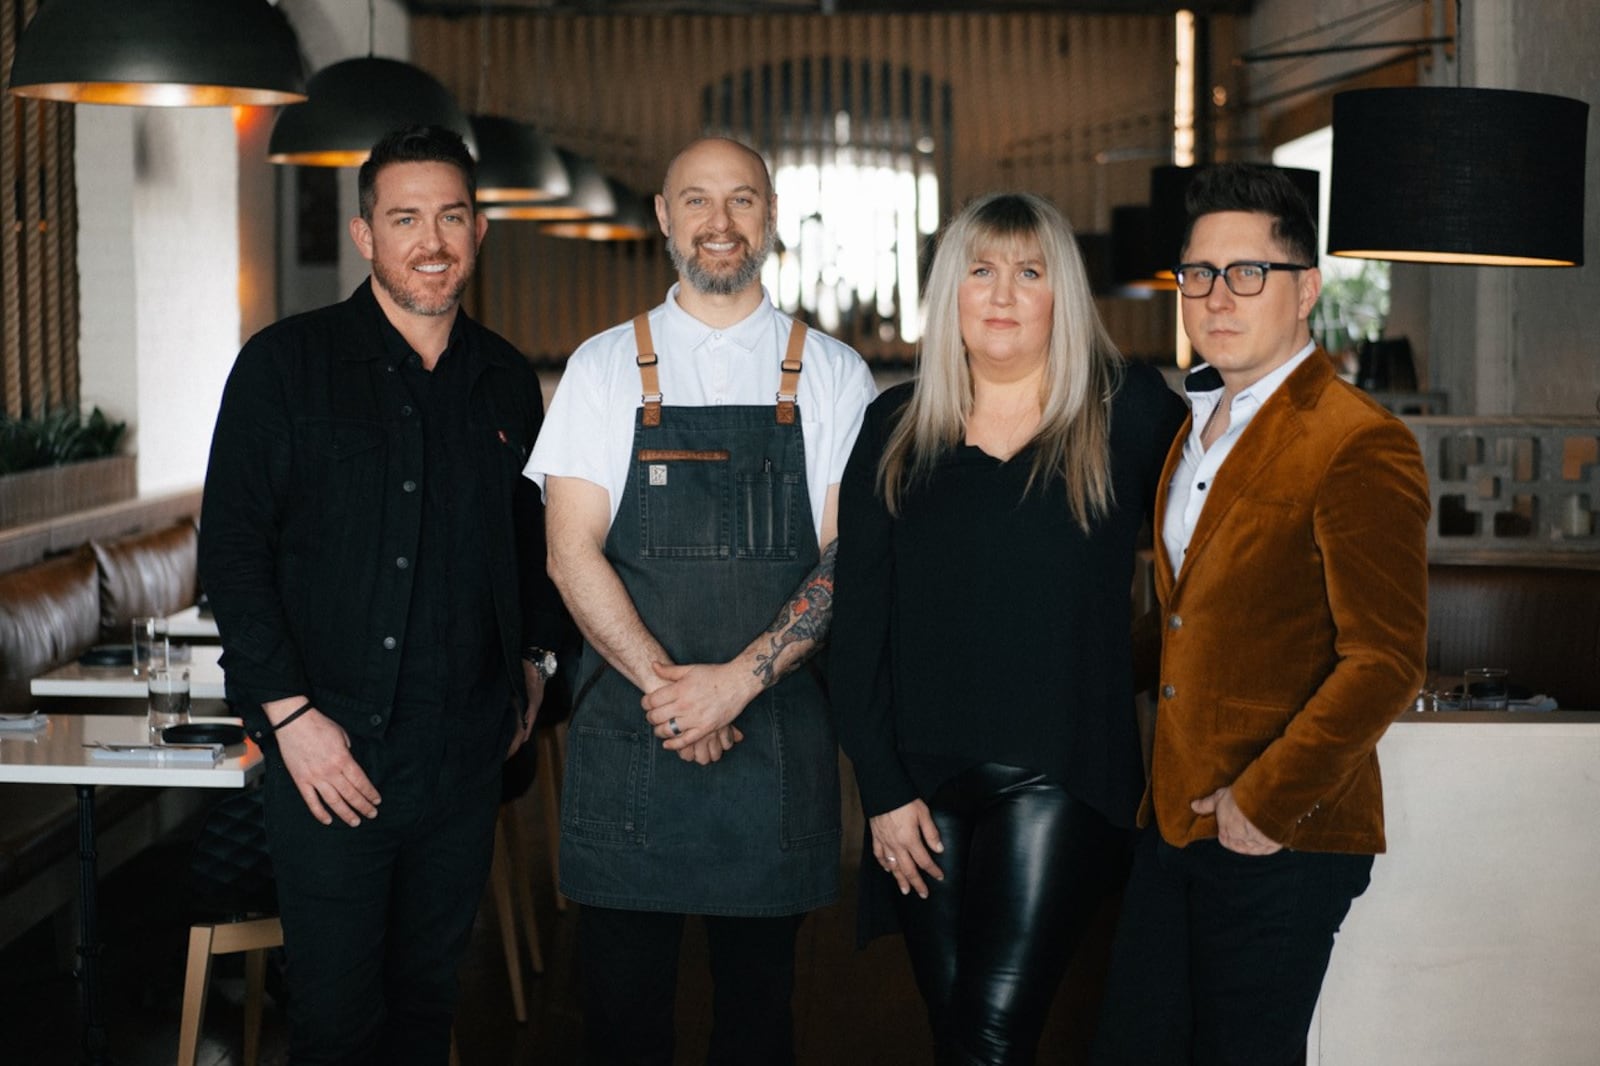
717	283
398	283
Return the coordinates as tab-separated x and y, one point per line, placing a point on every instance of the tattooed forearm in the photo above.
803	619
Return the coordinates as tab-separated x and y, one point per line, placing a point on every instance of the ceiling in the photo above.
822	7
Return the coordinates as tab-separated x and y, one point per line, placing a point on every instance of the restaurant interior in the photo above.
162	216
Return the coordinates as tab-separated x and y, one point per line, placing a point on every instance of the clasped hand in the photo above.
693	711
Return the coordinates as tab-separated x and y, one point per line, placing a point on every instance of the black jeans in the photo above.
1219	957
629	968
1025	865
376	917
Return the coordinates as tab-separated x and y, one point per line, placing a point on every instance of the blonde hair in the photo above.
1082	367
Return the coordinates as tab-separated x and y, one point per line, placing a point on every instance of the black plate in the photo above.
108	655
203	733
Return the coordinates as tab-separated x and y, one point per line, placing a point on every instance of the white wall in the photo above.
158	287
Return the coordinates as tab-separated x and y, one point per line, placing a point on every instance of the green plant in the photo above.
59	437
1354	305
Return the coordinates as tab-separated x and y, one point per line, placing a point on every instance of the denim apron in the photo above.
713	536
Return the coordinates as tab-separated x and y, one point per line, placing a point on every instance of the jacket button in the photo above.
376	719
408	485
406	410
1168	692
1175	622
402	562
389	643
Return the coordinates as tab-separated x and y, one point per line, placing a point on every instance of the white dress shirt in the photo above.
1186	493
588	431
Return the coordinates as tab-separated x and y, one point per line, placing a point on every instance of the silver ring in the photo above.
672	724
891	859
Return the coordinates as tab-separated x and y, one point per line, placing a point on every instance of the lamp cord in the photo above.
372	29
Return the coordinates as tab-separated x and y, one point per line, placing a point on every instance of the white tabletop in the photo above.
54	754
118	682
187	624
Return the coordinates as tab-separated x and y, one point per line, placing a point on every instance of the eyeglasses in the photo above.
1195	280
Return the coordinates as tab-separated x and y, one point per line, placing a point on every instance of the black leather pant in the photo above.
1025	865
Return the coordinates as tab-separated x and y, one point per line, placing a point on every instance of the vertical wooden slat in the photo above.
10	233
67	242
33	391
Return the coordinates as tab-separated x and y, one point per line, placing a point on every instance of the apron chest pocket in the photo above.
684	505
767	514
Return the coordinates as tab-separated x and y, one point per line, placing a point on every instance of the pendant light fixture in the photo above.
159	53
354	102
516	163
591	197
631	221
1449	175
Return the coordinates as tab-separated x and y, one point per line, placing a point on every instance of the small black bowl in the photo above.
203	733
108	655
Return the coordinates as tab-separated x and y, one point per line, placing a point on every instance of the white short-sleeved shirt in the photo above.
588	431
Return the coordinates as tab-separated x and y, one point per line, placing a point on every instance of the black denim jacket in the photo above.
313	505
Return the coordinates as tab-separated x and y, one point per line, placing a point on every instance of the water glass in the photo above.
150	648
169	698
1487	688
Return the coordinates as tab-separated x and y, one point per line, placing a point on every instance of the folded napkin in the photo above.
157	754
1539	702
23	723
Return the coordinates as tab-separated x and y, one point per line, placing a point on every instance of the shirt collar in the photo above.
689	332
1206	381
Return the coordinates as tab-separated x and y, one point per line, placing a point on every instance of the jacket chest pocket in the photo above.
684	503
346	453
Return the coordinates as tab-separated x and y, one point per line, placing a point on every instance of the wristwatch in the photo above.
541	659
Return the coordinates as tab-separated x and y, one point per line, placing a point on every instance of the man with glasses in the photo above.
1291	567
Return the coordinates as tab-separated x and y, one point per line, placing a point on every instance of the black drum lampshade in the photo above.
1135	261
1449	175
352	104
159	53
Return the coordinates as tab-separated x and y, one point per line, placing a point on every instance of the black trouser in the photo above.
629	968
1219	957
376	917
1024	867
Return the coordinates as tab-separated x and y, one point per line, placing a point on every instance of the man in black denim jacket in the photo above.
375	561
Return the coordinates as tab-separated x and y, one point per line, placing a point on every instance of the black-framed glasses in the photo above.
1244	278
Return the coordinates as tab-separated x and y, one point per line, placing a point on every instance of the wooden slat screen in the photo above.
1033	98
38	242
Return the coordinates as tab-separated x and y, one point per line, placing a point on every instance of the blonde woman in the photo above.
981	669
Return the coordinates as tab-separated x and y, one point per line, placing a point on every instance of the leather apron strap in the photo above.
789	383
650	376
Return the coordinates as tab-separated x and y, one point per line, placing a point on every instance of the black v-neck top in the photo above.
982	625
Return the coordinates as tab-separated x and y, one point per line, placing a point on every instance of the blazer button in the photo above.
402	562
1175	622
1168	692
376	719
408	485
389	643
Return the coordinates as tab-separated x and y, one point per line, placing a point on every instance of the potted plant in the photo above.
60	463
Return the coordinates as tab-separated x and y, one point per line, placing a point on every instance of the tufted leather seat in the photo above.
1540	623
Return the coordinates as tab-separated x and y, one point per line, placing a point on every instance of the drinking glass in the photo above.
169	698
149	645
1487	688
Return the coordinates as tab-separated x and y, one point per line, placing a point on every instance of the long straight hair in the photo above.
1083	369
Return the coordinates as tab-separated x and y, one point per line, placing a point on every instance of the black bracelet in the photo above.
292	715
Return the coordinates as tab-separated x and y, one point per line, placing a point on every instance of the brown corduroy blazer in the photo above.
1296	629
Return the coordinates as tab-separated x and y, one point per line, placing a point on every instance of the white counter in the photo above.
1478	943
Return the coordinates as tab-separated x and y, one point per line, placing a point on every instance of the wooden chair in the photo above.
552	747
252	936
513	903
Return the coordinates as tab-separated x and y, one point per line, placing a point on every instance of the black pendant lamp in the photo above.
632	220
352	104
591	197
159	53
1455	175
1135	261
516	163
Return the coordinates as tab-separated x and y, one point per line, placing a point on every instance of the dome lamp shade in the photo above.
353	104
